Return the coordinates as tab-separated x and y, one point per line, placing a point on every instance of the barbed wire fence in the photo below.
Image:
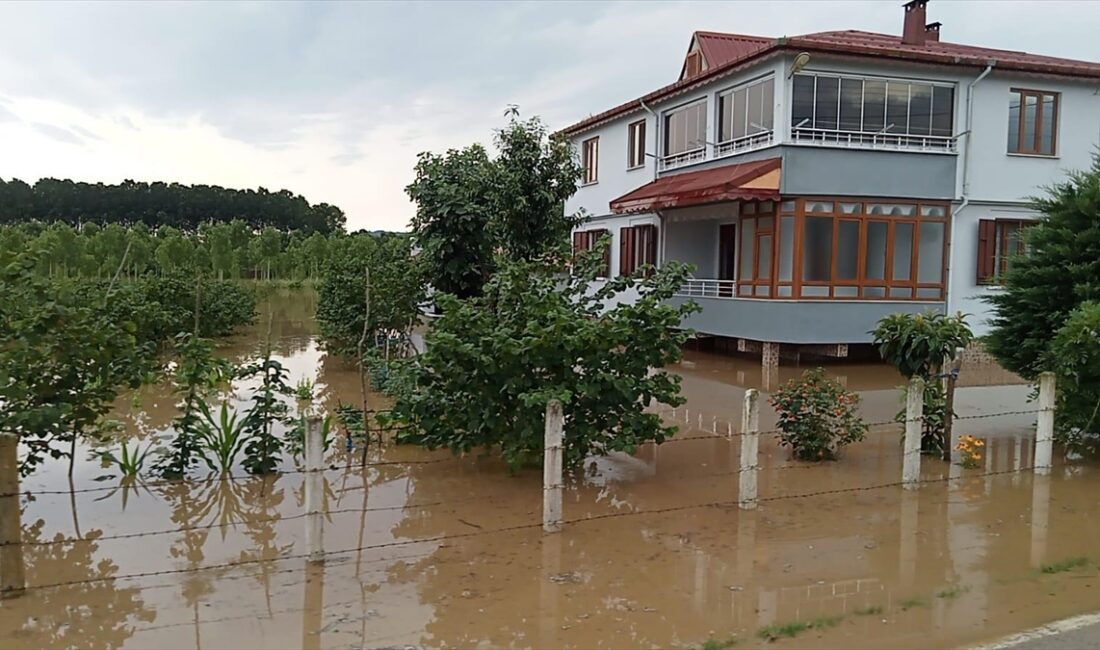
553	518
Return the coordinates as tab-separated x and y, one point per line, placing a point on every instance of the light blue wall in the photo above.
809	170
796	321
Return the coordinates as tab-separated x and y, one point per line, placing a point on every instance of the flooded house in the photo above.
820	182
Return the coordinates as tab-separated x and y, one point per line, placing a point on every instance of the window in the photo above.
999	240
746	111
844	249
590	159
635	145
637	247
872	106
1032	122
693	65
587	240
686	129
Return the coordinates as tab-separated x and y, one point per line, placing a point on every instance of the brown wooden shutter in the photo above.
578	242
987	243
626	251
651	245
597	235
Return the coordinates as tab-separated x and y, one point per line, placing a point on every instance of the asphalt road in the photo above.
1077	633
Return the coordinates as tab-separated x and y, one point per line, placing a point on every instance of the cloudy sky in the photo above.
334	100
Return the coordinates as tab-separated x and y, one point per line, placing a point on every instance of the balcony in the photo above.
682	159
878	140
708	288
744	143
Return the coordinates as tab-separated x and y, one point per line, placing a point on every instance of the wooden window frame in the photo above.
747	287
637	247
586	240
693	64
635	145
590	160
861	282
1036	145
993	253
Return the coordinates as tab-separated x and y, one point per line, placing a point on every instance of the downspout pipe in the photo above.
965	188
656	159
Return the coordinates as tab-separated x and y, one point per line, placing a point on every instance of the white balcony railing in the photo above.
685	158
744	143
708	288
861	140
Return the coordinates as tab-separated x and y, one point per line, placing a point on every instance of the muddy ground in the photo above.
436	551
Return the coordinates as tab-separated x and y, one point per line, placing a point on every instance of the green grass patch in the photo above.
873	610
910	603
1065	565
951	593
718	644
790	630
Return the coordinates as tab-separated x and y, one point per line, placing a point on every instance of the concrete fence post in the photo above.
552	467
315	455
1044	428
914	417
12	569
750	450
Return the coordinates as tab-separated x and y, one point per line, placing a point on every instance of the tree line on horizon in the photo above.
184	207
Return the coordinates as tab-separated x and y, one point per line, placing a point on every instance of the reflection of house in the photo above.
820	182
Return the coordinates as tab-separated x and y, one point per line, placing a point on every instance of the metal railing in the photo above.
744	143
708	288
862	140
685	158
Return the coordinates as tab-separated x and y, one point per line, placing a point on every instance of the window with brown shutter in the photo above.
590	158
999	240
637	248
587	240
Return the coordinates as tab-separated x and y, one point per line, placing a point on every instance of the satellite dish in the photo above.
800	62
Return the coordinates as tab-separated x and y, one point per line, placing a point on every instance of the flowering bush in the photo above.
970	449
817	416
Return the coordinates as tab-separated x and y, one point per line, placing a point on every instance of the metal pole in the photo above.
914	411
750	449
1044	429
552	467
315	453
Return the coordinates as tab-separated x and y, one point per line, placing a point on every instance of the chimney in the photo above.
913	31
932	32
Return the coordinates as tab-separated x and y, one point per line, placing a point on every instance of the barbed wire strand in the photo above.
510	529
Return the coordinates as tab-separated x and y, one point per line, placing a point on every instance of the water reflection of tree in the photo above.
93	614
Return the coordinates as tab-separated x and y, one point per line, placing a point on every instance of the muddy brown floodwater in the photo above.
436	551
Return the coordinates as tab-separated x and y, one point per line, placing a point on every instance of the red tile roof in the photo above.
719	49
714	185
733	51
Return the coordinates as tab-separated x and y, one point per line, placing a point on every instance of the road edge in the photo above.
1041	632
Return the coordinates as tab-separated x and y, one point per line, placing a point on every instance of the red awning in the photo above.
756	180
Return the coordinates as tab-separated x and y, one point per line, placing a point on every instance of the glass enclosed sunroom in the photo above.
775	268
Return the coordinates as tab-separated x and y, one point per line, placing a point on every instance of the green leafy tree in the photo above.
532	177
492	362
396	291
63	361
1075	359
1060	271
918	345
452	222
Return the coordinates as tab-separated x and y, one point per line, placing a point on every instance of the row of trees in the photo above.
228	250
185	207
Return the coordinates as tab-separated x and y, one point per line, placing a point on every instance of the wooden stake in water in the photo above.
12	571
750	449
1044	429
552	467
315	453
914	412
